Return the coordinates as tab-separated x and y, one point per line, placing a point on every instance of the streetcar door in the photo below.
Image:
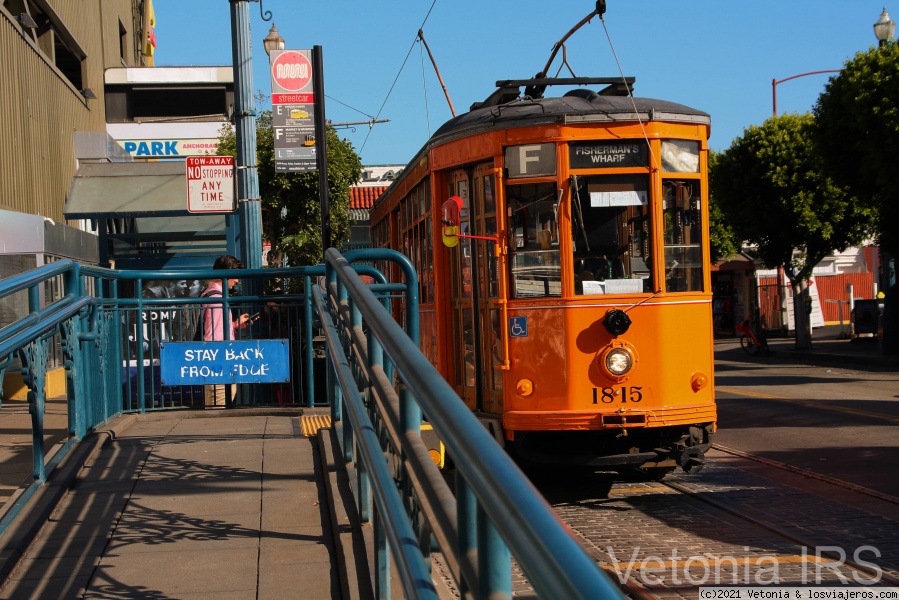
463	330
475	291
489	307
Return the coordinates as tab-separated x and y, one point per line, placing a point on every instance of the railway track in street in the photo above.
728	526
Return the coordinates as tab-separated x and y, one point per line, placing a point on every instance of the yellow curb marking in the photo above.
311	424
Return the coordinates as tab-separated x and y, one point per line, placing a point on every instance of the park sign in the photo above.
210	184
293	111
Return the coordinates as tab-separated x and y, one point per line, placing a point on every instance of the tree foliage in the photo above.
724	242
772	187
291	209
857	131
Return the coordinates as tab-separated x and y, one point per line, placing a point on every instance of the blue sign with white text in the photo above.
240	361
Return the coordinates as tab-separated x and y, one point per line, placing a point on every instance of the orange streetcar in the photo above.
562	251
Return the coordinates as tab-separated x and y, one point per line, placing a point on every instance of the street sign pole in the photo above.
244	230
321	153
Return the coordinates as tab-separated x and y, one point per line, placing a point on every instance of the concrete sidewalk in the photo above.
829	347
194	504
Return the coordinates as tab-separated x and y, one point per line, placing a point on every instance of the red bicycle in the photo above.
751	341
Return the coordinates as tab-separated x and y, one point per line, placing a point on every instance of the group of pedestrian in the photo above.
203	324
177	288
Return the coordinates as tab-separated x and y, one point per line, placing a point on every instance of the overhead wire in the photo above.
348	106
393	85
630	93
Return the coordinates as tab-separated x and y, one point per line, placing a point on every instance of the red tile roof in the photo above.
365	196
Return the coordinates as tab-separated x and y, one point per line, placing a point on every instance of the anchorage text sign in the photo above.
242	361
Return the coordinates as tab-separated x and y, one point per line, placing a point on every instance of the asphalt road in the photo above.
841	422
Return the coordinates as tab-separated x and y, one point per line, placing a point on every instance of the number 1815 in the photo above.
608	395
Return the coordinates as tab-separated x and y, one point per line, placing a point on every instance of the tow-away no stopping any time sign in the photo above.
210	184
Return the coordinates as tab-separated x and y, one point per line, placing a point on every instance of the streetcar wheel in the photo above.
748	345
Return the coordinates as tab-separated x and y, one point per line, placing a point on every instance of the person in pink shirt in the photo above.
213	326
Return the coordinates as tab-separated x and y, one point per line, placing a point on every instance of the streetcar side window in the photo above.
533	232
683	235
612	242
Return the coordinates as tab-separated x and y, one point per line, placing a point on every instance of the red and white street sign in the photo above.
210	184
291	71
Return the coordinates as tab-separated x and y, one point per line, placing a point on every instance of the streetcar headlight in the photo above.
619	361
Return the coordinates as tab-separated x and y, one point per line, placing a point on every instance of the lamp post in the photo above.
273	41
884	28
774	83
244	229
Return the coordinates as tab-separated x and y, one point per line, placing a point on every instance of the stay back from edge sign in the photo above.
244	361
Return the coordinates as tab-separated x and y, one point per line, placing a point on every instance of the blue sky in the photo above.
718	56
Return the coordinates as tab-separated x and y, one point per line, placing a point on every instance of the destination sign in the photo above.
531	160
240	361
608	154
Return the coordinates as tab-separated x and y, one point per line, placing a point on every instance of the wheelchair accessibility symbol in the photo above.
518	327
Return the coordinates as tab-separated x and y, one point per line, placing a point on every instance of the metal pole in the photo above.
244	228
421	36
774	83
774	95
321	146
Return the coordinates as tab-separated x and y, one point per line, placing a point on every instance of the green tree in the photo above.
724	242
857	118
771	185
291	209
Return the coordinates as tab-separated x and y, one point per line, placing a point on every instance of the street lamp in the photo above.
774	83
273	41
884	28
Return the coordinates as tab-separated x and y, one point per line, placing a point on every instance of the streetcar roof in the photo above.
577	106
506	109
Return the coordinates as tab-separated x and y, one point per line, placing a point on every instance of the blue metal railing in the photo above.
89	325
71	317
382	385
379	386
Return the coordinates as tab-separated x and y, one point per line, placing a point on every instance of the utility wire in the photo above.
409	53
630	94
349	107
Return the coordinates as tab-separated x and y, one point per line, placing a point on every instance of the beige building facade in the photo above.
52	111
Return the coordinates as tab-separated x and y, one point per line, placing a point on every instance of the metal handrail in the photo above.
497	509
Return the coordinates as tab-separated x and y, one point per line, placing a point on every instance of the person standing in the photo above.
195	289
213	322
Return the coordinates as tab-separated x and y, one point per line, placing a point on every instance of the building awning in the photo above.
142	217
128	189
22	233
740	262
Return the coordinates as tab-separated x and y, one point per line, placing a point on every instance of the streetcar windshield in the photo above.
534	240
611	231
683	235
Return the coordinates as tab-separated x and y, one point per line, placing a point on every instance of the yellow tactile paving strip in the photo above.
312	423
